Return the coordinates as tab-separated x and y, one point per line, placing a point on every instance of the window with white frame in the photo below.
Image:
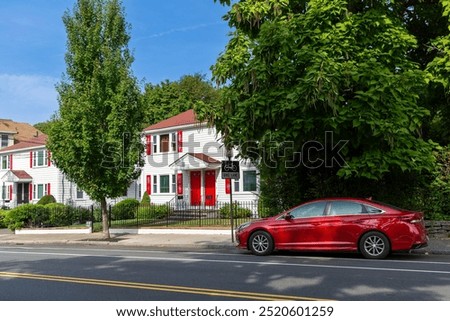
174	183
80	193
249	180
6	192
5	140
4	161
155	184
155	144
236	185
40	158
173	142
164	184
39	190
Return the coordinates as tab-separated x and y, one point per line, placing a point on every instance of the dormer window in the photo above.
5	140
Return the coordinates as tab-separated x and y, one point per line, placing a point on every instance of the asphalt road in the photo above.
128	274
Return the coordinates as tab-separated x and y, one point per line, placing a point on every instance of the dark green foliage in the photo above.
46	199
26	216
95	137
168	98
125	209
3	213
153	211
60	214
238	211
145	199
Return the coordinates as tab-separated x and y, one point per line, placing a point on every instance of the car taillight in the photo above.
413	218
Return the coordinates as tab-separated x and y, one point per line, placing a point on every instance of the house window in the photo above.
80	193
4	161
174	184
164	143
249	181
236	185
39	158
164	184
173	142
5	139
40	190
155	184
155	144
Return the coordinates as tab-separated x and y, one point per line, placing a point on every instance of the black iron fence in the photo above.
182	214
172	214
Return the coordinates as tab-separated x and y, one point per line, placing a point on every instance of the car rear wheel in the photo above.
261	243
374	245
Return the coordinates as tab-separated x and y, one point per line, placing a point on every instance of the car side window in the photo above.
373	210
346	208
309	210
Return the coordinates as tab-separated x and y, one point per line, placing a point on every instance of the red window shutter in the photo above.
227	186
148	148
11	161
48	189
31	159
31	192
149	184
179	183
49	156
10	192
180	141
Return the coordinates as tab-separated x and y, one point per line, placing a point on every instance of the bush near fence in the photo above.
50	215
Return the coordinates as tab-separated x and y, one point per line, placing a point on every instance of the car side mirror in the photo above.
288	216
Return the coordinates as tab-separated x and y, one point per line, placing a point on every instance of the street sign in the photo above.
230	169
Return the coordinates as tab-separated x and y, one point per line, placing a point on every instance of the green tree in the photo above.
170	98
95	139
293	71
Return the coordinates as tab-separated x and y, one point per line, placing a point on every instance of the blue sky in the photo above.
169	39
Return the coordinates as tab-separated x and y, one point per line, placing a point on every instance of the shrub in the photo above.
125	209
239	212
27	215
46	199
153	212
145	199
60	214
3	213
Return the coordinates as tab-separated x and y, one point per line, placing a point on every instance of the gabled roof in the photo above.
33	142
196	161
186	118
21	131
16	176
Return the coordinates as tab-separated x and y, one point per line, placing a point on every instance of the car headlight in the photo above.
243	226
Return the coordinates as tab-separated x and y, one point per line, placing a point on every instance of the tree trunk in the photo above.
105	219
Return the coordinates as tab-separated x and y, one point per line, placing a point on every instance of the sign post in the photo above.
230	170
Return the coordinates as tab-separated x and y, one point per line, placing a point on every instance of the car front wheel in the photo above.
261	243
374	245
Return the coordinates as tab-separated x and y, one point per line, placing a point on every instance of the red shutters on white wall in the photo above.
180	184
227	186
148	183
11	161
180	141
148	144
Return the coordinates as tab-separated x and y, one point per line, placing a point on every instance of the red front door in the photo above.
196	184
210	188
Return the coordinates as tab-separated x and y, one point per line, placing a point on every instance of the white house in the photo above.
27	173
183	163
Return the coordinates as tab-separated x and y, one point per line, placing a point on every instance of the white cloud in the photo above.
27	98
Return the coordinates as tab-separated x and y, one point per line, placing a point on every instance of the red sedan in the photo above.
336	224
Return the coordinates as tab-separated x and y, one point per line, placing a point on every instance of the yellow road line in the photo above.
160	287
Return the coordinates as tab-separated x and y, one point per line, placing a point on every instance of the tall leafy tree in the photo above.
95	139
169	98
294	70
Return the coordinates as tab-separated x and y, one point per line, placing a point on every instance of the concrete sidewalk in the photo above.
206	239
